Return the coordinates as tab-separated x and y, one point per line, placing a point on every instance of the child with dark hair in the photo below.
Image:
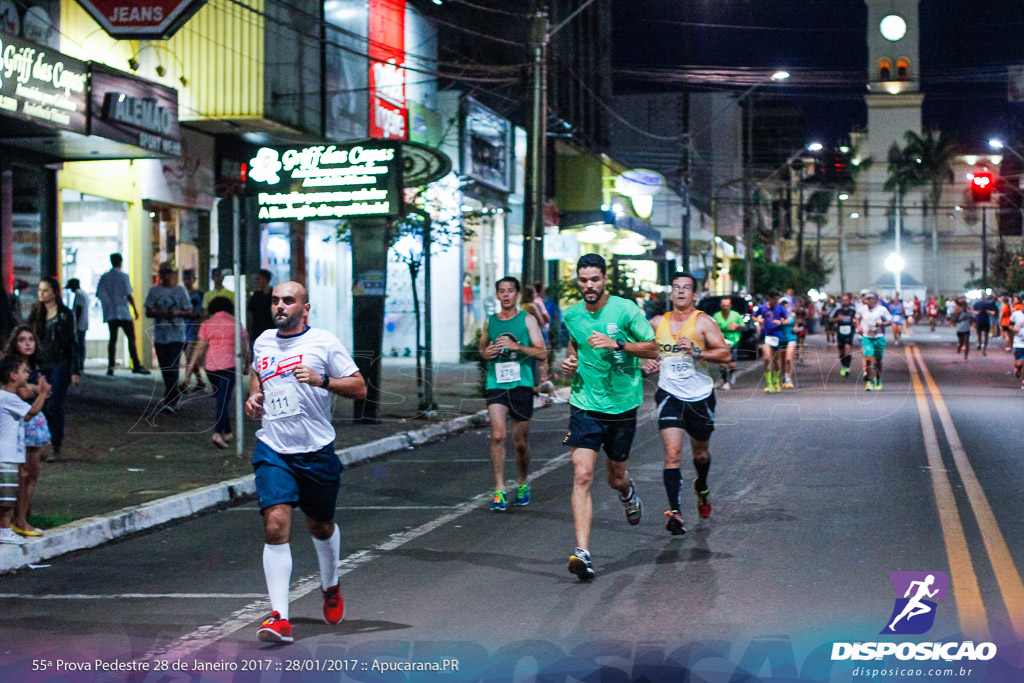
14	413
23	344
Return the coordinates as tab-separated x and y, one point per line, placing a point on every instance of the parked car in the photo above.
748	343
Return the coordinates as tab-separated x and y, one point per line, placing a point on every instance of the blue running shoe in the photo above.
498	504
523	494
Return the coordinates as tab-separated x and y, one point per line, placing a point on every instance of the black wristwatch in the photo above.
327	380
621	343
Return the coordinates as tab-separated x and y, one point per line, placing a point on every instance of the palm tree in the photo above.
816	210
932	155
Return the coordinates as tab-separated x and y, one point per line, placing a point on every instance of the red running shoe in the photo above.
703	501
275	630
334	605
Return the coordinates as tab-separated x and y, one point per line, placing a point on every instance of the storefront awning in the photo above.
639	227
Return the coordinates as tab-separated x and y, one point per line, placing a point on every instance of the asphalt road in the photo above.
819	494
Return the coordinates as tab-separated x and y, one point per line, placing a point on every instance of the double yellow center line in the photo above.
973	620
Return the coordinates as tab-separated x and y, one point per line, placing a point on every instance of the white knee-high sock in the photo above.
327	553
277	568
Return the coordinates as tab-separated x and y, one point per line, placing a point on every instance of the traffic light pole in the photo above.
984	247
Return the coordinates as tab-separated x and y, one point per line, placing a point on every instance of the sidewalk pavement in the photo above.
125	469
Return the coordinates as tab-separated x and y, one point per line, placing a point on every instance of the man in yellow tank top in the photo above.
686	339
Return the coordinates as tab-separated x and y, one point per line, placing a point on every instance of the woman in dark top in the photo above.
54	325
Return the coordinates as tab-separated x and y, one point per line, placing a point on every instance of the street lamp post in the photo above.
748	168
842	197
996	143
743	179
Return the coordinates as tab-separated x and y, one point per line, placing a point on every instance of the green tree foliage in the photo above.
768	275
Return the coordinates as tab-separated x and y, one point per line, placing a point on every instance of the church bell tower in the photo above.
894	95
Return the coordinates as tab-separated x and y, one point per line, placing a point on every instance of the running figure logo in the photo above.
914	612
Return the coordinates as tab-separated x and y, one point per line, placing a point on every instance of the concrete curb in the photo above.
95	531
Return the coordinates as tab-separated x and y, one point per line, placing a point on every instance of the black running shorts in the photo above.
593	430
518	399
696	417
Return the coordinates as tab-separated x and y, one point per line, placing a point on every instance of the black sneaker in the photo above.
674	522
110	372
581	566
141	371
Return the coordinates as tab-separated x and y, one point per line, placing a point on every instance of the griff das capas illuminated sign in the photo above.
323	182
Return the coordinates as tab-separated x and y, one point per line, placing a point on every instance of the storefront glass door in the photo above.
93	228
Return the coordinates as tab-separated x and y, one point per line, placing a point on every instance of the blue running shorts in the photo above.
310	481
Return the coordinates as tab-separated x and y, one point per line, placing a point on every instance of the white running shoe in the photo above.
8	536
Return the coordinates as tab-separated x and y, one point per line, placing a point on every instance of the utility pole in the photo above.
748	207
236	266
684	190
533	254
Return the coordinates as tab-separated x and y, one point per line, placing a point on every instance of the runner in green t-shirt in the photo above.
607	334
511	341
731	324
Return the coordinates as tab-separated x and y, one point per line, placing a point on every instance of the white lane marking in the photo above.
249	508
133	596
204	636
425	461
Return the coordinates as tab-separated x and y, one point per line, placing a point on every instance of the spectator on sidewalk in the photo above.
54	326
260	317
14	412
80	307
216	350
549	331
24	345
114	290
217	275
168	304
533	307
7	319
195	296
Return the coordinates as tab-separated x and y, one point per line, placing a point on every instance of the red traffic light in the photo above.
981	187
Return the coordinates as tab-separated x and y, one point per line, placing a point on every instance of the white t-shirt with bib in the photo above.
12	427
1017	320
297	416
870	316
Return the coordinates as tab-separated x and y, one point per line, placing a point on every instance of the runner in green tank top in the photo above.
510	342
607	336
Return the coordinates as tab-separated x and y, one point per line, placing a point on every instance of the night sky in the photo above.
964	49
